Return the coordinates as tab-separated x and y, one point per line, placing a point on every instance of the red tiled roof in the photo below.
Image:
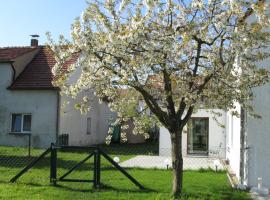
38	73
10	53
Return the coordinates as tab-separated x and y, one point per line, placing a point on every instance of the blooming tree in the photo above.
175	55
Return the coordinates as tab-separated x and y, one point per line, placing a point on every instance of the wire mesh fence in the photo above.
139	160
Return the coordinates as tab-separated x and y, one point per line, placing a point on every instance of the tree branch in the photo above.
188	115
181	109
168	93
153	105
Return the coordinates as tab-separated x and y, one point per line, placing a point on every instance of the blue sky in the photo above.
21	18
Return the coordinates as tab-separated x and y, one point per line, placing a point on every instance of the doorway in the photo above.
198	134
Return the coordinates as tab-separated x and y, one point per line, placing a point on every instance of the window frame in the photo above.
206	153
22	123
90	120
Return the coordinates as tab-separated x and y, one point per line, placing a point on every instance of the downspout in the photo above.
242	144
57	117
226	136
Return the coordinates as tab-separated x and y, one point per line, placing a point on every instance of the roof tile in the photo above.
9	53
38	73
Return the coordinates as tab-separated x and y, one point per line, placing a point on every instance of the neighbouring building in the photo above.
30	104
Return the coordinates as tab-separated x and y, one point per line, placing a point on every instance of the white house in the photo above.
30	104
248	142
248	139
204	136
244	142
86	129
256	141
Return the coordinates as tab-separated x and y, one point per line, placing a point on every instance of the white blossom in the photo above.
176	56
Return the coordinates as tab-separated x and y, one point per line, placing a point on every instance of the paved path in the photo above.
159	162
260	197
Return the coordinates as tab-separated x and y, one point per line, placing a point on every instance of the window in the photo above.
198	134
88	131
21	123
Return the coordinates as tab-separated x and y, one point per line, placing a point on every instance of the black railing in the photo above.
63	139
91	151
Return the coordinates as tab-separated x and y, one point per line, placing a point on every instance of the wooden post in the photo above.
53	175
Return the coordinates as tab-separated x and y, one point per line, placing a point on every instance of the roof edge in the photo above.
33	88
6	61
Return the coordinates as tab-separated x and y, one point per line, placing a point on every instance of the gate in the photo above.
94	152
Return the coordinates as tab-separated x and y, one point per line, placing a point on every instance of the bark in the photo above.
177	161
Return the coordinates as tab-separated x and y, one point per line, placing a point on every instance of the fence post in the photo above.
53	175
29	145
96	168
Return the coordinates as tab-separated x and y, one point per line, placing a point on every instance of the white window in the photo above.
21	123
88	131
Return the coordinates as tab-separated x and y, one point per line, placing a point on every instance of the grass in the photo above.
199	185
132	149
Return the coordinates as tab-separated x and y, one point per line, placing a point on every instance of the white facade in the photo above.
257	159
216	137
255	138
41	104
258	140
256	151
48	121
233	128
85	129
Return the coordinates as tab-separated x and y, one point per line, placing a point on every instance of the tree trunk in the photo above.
177	161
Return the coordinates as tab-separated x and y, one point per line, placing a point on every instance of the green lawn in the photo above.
203	185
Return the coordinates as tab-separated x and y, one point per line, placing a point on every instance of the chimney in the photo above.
34	40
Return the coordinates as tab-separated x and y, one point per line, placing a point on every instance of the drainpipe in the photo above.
57	116
242	145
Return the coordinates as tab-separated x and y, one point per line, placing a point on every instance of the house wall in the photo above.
258	139
257	151
233	126
41	104
258	135
131	137
73	123
216	138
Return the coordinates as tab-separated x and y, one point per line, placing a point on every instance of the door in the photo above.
198	132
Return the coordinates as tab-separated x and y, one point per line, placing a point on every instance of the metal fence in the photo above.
141	161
